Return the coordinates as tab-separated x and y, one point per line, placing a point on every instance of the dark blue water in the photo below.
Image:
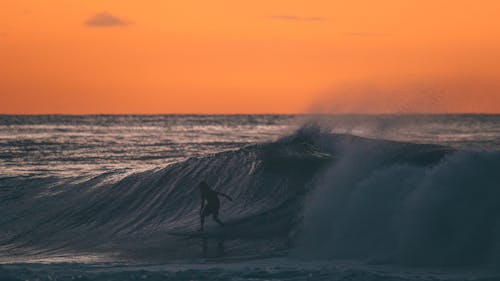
315	197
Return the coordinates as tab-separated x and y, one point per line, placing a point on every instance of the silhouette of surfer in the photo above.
212	205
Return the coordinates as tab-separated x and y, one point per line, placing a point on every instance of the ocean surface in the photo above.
316	197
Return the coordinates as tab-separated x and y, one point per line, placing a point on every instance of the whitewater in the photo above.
330	197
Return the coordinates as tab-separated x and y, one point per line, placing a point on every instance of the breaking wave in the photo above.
311	194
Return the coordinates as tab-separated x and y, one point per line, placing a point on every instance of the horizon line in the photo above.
243	114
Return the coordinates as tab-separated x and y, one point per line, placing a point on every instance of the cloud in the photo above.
105	19
3	34
297	18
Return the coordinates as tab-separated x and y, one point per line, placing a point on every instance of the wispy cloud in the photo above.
105	19
297	18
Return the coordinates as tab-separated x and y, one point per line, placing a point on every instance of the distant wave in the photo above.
311	194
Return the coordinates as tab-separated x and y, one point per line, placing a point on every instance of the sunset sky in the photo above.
160	56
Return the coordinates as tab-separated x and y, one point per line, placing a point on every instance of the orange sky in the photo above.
160	56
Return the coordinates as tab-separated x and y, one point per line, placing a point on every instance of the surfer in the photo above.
213	203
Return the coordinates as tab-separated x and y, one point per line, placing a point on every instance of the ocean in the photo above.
315	197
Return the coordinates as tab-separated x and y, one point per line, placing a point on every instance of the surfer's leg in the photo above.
215	216
202	221
206	212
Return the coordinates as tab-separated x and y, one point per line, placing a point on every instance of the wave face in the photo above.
130	217
312	194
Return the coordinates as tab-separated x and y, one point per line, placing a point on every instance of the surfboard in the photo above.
230	228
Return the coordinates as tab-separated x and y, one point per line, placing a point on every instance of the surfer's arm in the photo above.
227	196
